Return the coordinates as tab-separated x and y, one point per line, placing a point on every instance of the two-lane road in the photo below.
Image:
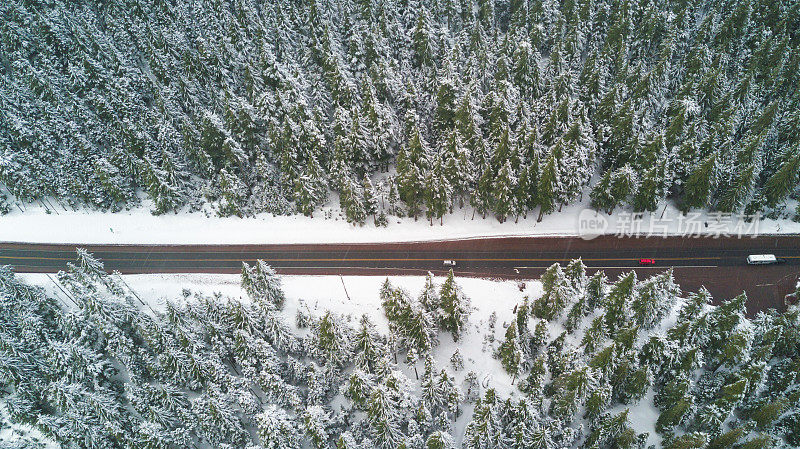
719	264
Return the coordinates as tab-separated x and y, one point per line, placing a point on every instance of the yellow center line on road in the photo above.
358	259
363	259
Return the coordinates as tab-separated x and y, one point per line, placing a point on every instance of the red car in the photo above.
647	262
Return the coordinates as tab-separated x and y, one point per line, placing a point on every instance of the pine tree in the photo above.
510	352
315	422
618	301
445	114
410	180
525	71
428	297
232	194
459	169
503	192
601	197
737	194
454	305
367	346
438	192
547	187
556	294
688	441
655	298
624	184
431	394
370	198
651	190
383	419
421	40
784	180
701	183
330	341
277	430
485	428
439	440
263	285
573	389
310	188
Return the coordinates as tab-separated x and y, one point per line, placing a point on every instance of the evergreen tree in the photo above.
701	183
618	302
547	187
485	428
455	307
503	192
459	169
655	298
556	294
263	285
410	179
367	346
439	440
421	40
315	421
784	180
310	189
510	352
438	192
277	429
601	197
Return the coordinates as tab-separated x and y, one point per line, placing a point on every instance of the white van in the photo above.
761	259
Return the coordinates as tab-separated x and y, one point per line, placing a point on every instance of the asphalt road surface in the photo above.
718	264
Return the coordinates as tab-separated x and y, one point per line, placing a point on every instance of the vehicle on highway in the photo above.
647	262
450	263
763	259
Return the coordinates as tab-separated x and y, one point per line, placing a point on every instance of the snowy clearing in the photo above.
138	225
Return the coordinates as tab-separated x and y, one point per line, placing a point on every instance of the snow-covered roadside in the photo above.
140	226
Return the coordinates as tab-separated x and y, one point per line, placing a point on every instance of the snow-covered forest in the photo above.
399	107
592	363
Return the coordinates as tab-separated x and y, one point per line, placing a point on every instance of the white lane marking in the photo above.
638	267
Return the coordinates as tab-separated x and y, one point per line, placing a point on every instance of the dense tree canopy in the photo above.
512	105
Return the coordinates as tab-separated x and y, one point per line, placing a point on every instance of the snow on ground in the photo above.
643	416
12	434
140	226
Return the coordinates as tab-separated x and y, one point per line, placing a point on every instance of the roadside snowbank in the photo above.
139	226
